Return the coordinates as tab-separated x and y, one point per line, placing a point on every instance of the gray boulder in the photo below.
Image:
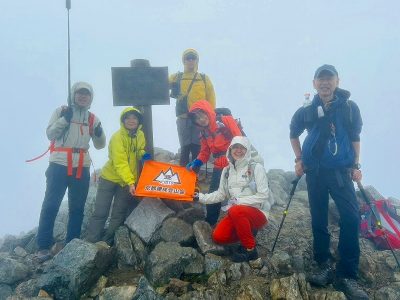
203	232
12	270
167	260
213	263
192	214
26	289
177	230
125	253
391	292
117	292
196	266
75	269
147	217
145	291
164	155
288	288
5	291
139	248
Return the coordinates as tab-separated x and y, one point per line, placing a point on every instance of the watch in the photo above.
356	166
297	159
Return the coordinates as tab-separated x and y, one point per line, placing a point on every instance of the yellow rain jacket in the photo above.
124	153
201	89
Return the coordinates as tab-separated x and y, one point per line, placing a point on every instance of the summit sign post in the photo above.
142	86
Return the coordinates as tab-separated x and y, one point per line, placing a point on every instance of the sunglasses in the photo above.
190	57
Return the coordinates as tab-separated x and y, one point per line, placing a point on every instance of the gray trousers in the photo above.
122	206
188	133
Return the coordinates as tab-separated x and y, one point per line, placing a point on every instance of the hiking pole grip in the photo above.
68	4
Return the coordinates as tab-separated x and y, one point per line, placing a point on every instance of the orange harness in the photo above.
69	151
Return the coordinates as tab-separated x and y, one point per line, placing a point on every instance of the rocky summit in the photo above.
164	251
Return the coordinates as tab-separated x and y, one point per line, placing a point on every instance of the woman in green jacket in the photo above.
118	177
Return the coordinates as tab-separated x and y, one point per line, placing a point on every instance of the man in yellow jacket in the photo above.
118	177
188	88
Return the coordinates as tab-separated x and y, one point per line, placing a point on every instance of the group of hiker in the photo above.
329	157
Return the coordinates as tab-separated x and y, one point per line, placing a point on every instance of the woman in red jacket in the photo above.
215	138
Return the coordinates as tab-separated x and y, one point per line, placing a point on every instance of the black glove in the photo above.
98	130
67	113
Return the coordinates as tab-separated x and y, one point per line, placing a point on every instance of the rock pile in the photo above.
164	251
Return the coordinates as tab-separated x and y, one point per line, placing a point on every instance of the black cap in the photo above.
326	69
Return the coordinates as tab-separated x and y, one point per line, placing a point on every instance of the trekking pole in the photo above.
68	6
285	212
378	222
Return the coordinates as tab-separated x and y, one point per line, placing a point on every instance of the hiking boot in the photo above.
245	255
323	276
42	255
350	288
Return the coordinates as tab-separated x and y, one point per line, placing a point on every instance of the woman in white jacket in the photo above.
244	184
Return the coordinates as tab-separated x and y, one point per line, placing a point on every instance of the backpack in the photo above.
224	111
320	146
176	86
389	220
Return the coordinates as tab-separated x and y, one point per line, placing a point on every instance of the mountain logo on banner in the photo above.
168	178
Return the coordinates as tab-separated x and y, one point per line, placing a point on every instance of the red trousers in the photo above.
238	224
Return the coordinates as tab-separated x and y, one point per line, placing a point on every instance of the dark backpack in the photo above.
388	218
224	111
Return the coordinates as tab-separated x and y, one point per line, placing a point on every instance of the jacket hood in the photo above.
191	50
81	85
133	110
245	142
206	107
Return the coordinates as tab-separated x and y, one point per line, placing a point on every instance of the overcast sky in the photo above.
260	56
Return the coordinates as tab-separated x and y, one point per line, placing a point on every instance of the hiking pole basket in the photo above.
378	222
285	212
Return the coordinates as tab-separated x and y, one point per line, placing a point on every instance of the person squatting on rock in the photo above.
215	138
244	184
70	130
330	158
118	177
188	88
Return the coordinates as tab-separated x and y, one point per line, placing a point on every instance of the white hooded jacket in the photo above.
247	189
74	134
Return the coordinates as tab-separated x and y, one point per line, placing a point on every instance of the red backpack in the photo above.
388	218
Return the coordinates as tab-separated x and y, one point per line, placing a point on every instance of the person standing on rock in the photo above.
244	184
118	177
188	88
70	130
330	158
215	138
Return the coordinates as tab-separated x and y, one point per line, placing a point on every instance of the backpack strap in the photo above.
91	123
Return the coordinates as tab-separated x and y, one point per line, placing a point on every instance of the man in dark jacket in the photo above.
330	158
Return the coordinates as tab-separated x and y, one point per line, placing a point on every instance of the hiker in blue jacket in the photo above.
330	158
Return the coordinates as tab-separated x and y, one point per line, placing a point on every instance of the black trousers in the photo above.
335	182
57	182
213	209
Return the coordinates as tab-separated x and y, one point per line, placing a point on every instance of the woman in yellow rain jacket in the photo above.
118	177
